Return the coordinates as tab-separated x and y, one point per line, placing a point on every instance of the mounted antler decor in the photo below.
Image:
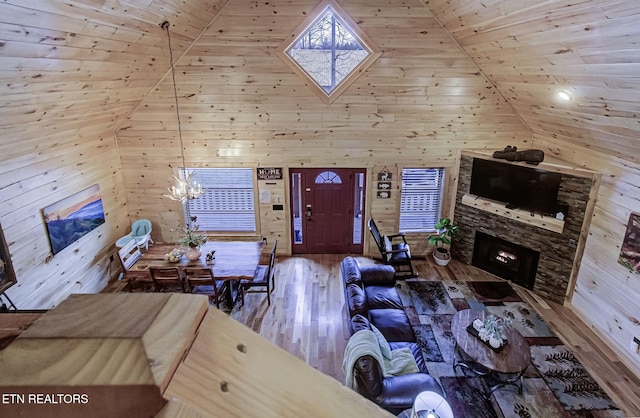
530	156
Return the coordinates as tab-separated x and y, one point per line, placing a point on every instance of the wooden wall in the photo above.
420	103
607	295
70	72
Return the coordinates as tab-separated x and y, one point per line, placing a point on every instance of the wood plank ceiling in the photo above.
63	63
530	49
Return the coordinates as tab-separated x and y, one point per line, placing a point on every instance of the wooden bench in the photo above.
396	254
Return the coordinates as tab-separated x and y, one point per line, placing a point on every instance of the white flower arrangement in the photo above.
492	330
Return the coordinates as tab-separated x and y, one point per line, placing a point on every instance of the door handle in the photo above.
308	212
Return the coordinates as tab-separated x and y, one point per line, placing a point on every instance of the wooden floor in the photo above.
307	319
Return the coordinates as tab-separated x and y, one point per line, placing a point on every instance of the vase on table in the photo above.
193	253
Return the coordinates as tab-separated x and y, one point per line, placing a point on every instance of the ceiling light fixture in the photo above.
565	95
186	188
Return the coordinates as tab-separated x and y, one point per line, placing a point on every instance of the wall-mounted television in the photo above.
517	186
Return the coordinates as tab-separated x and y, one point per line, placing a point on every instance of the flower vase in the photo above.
193	253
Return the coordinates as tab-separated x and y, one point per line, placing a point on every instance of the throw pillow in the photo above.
382	342
387	247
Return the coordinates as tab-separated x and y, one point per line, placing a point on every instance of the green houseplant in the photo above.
446	230
192	238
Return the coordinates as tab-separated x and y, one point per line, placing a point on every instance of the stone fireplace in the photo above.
505	259
557	250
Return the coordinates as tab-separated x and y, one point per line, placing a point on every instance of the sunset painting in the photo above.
70	219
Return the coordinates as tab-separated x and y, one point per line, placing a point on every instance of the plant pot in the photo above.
441	256
193	253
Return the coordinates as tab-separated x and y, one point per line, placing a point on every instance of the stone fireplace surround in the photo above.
557	250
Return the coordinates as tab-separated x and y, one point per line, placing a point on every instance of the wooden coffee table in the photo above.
507	366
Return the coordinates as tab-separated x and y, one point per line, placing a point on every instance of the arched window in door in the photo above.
328	177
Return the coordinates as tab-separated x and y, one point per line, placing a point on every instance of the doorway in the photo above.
327	206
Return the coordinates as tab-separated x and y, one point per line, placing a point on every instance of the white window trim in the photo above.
418	213
219	219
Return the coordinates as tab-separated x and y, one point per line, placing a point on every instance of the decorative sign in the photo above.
384	176
265	173
383	194
629	253
384	185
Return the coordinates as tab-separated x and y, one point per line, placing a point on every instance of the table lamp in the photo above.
430	405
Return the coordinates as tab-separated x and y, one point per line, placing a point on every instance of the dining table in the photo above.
232	260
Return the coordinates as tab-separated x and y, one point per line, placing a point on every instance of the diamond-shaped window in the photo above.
329	50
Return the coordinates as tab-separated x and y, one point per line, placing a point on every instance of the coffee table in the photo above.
507	366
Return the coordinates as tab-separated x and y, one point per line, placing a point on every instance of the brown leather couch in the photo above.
371	298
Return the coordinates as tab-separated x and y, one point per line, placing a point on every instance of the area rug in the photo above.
555	383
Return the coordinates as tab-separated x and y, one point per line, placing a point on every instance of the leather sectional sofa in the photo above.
371	298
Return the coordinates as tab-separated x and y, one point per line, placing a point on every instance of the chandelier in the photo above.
183	188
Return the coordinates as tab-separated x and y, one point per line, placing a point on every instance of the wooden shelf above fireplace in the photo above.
498	208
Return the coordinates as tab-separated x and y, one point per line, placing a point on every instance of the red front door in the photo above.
327	210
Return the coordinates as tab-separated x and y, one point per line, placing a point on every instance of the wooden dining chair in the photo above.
264	278
128	255
201	281
166	279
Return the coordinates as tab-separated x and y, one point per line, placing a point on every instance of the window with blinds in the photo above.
421	199
228	202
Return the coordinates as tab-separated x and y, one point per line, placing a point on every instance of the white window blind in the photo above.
228	202
421	199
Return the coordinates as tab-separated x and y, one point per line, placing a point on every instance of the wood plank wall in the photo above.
607	295
70	73
420	103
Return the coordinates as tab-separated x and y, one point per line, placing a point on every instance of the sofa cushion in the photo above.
393	324
415	350
359	322
356	301
378	274
380	297
399	392
350	271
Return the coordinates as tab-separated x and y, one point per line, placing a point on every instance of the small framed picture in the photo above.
384	194
384	176
384	185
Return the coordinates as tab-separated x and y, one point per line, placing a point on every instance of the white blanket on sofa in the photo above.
364	342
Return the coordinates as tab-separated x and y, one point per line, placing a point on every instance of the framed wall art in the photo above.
73	217
7	274
630	250
384	185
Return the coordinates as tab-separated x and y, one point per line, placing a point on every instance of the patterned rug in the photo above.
555	383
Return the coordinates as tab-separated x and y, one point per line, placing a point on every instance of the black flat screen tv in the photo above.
517	186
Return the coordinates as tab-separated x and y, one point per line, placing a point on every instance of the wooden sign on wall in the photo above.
265	173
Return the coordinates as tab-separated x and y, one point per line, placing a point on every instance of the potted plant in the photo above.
192	238
446	231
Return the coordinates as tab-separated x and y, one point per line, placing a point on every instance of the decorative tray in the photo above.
474	332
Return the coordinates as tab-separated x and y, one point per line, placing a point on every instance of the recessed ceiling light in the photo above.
564	95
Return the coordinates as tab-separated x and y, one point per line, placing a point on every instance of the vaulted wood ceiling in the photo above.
97	59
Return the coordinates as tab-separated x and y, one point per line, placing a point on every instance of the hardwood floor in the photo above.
307	318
